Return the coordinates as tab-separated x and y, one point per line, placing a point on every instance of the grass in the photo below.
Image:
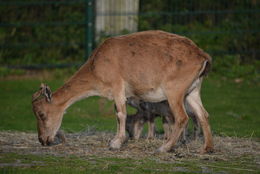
233	107
26	164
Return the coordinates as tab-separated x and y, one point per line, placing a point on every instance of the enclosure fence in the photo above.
63	33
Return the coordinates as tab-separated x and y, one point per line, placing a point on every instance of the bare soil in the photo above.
92	143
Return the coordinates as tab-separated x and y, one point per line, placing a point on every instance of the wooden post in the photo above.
114	17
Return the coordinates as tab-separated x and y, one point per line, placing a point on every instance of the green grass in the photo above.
26	164
16	112
233	107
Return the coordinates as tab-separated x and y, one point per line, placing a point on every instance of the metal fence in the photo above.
62	33
222	28
36	25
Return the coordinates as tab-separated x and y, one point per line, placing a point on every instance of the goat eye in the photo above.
42	116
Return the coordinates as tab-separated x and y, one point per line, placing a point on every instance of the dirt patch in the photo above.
91	143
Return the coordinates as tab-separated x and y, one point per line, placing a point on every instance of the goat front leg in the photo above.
184	137
138	128
196	127
120	137
151	126
166	128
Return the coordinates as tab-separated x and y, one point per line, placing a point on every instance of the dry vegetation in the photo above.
92	143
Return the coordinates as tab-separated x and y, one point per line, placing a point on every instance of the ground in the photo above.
92	144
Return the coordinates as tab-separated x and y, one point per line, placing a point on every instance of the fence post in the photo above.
89	28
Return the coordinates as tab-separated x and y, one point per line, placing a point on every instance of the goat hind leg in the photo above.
194	101
175	100
192	115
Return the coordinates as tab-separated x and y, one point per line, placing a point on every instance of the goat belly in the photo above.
155	95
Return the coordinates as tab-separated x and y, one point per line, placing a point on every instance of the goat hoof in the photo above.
116	143
208	150
136	138
150	138
183	141
161	149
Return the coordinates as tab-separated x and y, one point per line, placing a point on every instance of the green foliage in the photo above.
224	29
32	41
230	66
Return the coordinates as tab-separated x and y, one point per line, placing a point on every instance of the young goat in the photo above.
152	66
147	112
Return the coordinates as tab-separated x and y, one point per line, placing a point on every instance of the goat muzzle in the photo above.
58	139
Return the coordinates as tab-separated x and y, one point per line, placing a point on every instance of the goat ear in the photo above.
36	95
46	91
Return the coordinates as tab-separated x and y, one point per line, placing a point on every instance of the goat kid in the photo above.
147	112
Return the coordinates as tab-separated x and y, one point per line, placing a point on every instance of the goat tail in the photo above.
206	67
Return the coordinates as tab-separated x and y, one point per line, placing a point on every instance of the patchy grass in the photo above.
26	164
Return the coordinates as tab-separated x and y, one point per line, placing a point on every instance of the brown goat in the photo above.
152	66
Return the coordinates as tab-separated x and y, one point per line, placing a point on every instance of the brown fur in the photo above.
163	67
